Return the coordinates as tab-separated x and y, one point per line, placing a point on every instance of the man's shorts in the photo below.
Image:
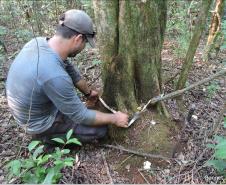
63	124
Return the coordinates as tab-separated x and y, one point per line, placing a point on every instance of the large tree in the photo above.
130	37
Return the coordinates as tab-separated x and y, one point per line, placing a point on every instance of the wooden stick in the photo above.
136	152
107	168
143	177
181	91
106	106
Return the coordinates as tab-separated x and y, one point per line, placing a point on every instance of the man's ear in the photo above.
77	37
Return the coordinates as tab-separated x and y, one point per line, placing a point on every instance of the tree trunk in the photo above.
130	37
194	44
216	20
215	26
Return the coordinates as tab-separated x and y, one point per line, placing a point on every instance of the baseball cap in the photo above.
80	22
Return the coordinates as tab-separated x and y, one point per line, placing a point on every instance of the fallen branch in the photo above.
143	177
136	152
181	91
107	168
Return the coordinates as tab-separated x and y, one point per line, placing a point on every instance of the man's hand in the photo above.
121	119
118	119
92	99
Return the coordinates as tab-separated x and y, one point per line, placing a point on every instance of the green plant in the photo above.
41	167
212	89
219	156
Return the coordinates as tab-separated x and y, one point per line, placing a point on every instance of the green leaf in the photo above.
69	159
219	165
218	138
65	151
15	167
68	163
32	145
220	153
29	163
58	162
30	178
45	158
49	177
221	144
69	133
211	145
40	173
75	141
59	140
37	152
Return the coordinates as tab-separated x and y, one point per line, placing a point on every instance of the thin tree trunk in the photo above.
215	27
194	44
216	21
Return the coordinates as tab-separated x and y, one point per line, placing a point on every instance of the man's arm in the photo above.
83	87
60	91
77	79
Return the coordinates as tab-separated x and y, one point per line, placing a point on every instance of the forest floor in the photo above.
105	165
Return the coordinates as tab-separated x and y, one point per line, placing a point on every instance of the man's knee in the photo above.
88	134
102	131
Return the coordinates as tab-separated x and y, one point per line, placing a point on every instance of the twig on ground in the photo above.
143	177
124	161
136	152
3	144
107	168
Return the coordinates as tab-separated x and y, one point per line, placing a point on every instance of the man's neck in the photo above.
58	44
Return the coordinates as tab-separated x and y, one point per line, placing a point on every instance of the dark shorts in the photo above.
63	124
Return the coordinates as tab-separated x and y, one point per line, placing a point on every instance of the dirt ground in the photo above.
100	164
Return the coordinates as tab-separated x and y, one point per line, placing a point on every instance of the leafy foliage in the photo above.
219	156
178	26
212	89
41	167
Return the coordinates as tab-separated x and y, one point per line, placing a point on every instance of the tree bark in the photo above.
130	37
215	27
216	21
194	44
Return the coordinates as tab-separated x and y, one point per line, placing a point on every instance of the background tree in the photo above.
200	26
215	34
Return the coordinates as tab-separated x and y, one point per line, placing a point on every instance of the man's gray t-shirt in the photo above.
36	91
